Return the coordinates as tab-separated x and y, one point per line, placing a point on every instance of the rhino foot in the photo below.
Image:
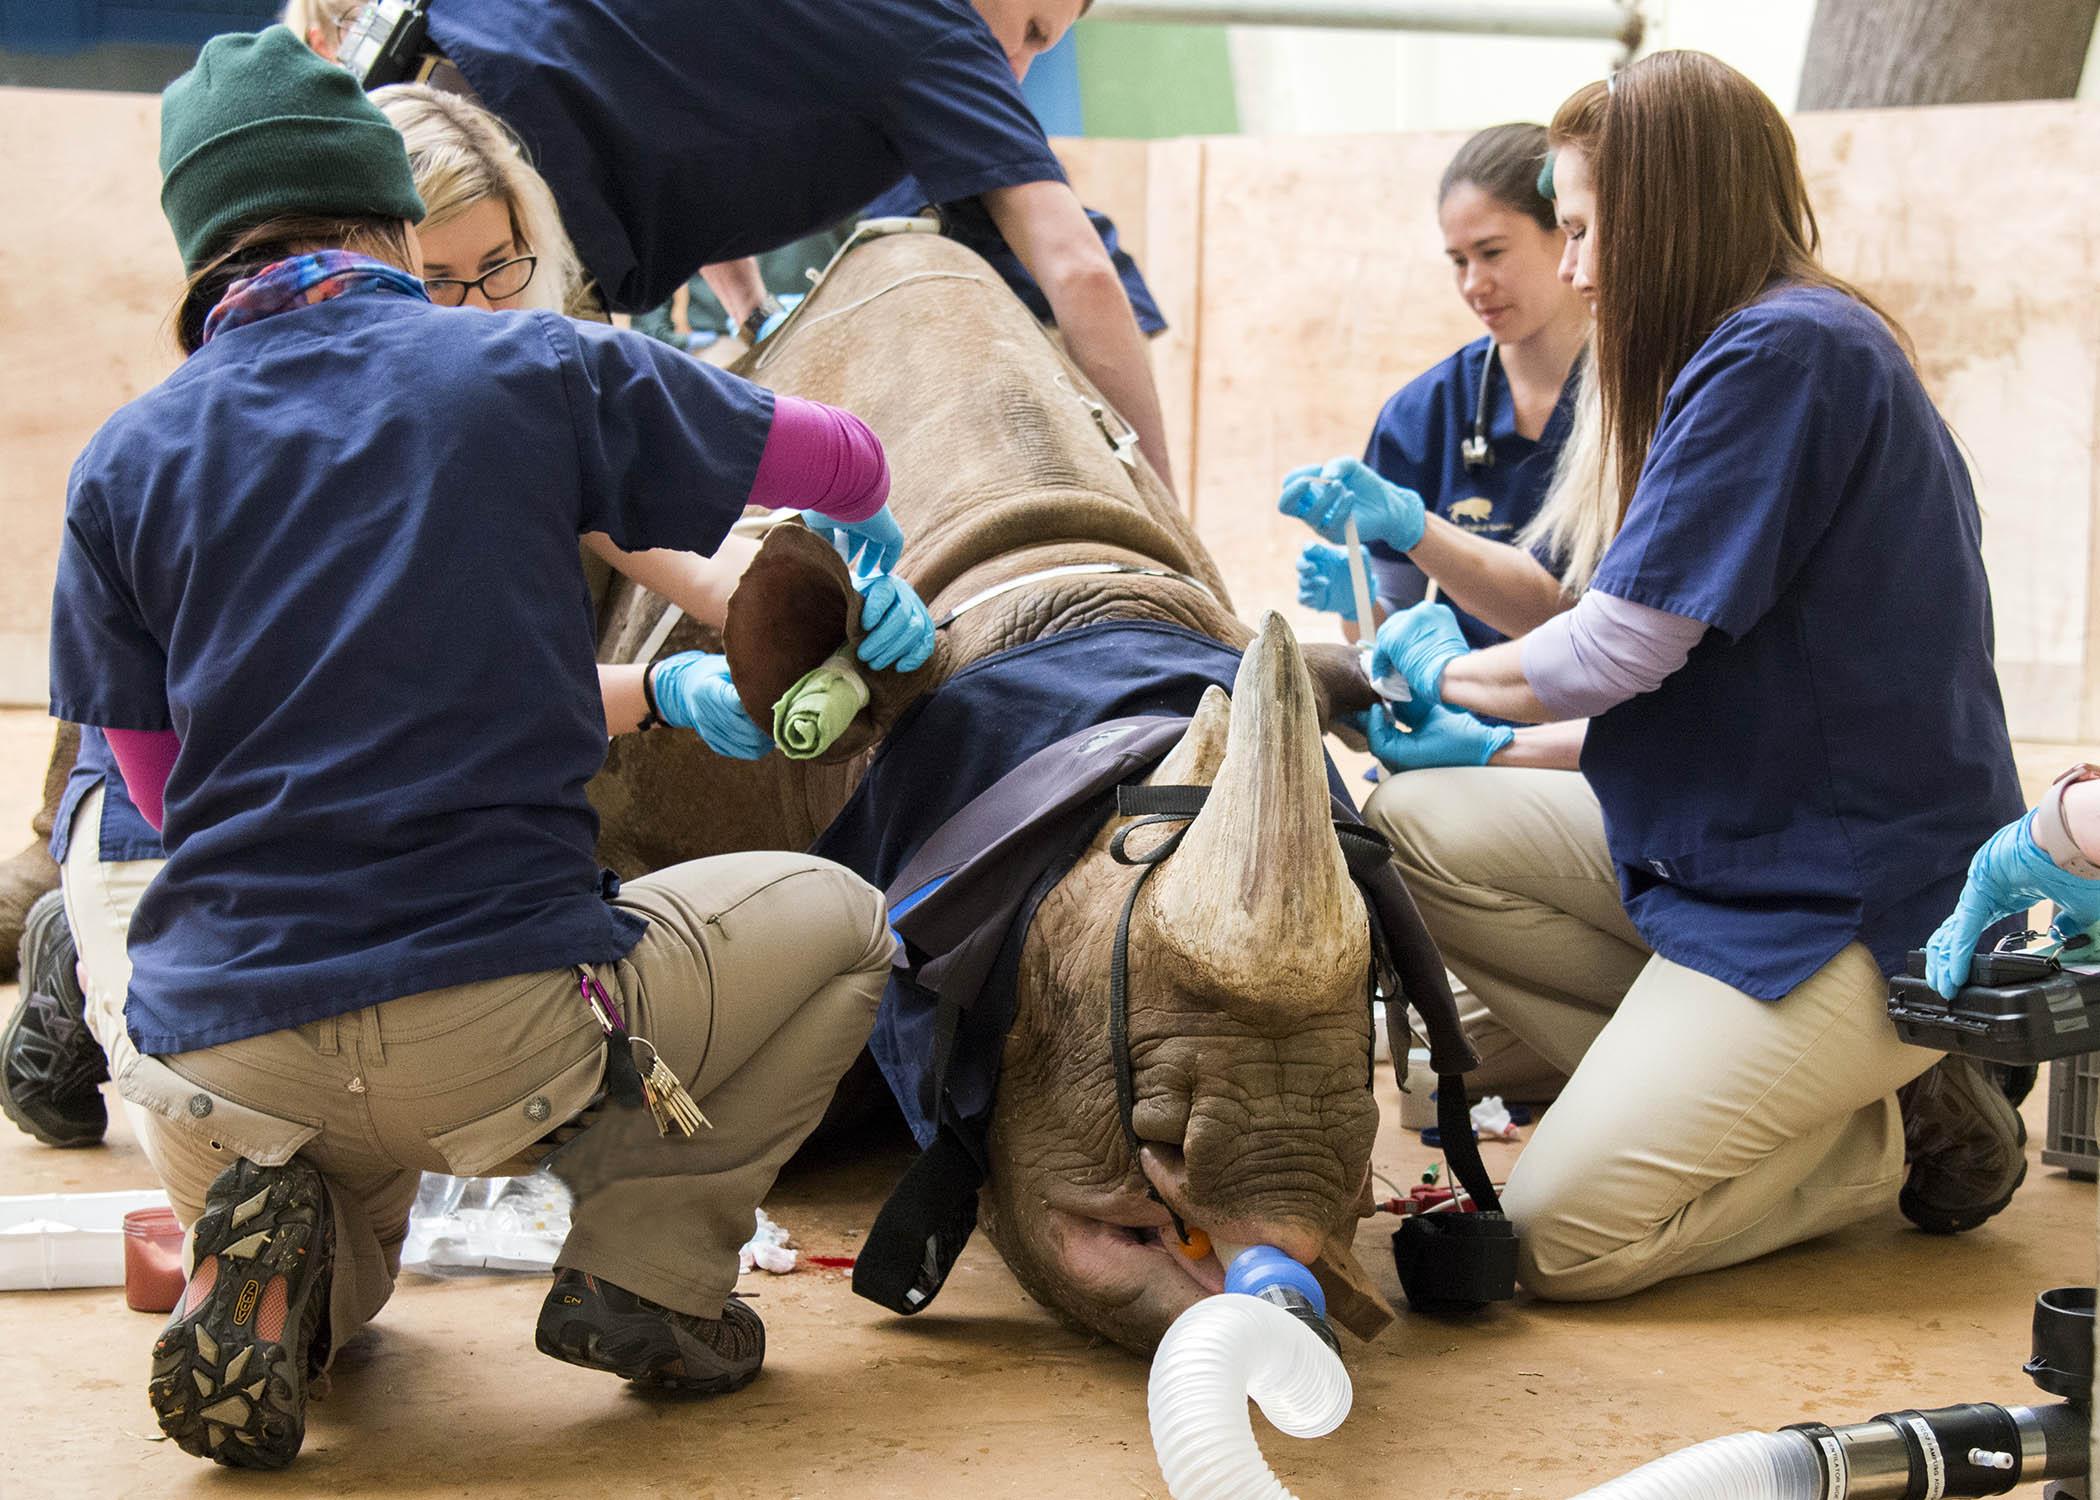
23	878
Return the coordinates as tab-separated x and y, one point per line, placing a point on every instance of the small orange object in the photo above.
1196	1246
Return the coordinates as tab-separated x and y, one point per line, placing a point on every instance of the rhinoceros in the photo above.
1248	954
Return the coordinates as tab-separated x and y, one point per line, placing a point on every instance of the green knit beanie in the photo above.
261	127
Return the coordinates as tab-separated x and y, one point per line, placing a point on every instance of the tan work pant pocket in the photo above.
515	1119
268	1140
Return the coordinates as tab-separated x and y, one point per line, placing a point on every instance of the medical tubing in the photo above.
1742	1466
1220	1353
1975	1449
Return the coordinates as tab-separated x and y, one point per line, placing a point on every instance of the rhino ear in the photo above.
1195	761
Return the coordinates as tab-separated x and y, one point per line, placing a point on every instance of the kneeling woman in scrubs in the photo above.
1785	769
491	239
1461	456
321	588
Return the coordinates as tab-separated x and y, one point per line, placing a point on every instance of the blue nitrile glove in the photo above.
1447	737
2009	874
869	546
1418	643
693	691
899	630
1325	496
1323	581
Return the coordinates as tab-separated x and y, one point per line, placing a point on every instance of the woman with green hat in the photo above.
321	589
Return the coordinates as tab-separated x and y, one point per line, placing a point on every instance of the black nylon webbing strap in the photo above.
1165	804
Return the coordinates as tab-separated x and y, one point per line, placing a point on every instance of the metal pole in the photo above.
1602	20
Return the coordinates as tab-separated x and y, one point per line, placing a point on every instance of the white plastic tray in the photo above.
50	1240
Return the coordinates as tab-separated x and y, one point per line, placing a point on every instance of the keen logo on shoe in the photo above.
244	1309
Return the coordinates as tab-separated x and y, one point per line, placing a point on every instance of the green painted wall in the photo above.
1138	81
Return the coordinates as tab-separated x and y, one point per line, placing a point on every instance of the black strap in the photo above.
1160	805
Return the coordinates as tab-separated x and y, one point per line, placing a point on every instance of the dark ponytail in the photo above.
1503	161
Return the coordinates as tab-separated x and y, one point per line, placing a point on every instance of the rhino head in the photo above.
1248	1028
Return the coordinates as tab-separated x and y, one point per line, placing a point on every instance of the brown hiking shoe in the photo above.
588	1321
1965	1143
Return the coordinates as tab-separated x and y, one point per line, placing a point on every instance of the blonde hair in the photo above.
1580	514
460	154
304	17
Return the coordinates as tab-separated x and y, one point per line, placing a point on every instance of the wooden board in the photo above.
88	278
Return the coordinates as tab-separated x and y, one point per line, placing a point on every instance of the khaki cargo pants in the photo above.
757	981
1699	1127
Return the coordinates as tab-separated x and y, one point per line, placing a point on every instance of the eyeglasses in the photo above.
506	280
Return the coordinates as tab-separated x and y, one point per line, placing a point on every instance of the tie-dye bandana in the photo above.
303	280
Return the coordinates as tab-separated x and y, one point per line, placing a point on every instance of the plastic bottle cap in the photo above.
1260	1267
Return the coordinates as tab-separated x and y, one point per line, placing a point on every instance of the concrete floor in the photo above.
988	1395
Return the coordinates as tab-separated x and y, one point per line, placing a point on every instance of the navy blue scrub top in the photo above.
1416	444
677	134
969	223
336	553
122	832
1833	752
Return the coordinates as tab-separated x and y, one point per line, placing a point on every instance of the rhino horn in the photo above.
1194	761
1256	908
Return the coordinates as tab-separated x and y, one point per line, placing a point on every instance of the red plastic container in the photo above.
152	1260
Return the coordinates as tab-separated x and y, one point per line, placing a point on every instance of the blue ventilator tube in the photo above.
1265	1272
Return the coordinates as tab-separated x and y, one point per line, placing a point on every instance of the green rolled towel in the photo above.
811	715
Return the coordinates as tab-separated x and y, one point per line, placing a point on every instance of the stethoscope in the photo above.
1476	450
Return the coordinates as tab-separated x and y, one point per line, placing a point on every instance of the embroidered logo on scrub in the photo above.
244	1309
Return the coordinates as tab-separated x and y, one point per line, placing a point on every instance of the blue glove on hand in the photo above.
1447	737
1417	644
869	546
2009	874
1325	496
899	630
693	691
1323	581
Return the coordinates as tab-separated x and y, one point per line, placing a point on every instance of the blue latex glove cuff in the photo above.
900	635
1328	496
1418	643
1324	582
693	691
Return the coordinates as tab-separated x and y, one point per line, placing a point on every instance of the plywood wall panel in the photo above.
1324	290
88	274
1966	225
1153	192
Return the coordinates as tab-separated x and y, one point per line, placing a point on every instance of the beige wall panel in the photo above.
1968	224
1153	192
1324	290
88	273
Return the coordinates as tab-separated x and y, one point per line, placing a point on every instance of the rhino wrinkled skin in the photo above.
1249	950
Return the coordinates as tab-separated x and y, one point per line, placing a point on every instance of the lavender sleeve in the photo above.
1604	651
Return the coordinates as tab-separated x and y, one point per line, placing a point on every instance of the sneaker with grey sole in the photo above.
51	1066
589	1321
1966	1145
230	1371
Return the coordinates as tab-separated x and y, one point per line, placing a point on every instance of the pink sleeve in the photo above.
820	458
145	757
